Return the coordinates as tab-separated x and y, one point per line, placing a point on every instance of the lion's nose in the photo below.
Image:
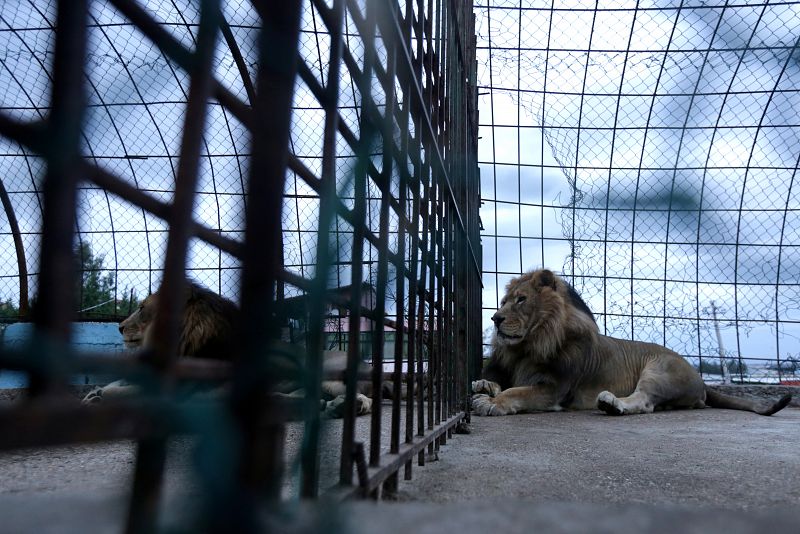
120	330
498	319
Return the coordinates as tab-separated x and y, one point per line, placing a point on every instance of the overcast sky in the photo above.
676	148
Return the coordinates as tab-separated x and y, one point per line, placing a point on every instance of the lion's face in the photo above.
134	326
520	310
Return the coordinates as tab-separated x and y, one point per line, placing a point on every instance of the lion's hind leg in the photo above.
638	402
665	382
115	390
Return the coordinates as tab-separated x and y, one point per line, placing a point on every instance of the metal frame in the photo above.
649	151
416	84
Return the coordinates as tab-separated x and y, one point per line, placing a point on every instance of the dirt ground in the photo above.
703	470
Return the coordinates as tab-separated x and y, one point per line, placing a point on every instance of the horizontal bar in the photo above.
121	366
50	421
394	462
30	135
115	185
173	49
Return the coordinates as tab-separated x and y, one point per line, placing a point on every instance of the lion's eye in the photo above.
521	299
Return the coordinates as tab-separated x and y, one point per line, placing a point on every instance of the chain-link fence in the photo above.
649	151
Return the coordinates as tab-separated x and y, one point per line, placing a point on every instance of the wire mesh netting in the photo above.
649	151
137	100
135	114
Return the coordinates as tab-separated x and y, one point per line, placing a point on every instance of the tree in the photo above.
8	310
96	288
95	291
709	366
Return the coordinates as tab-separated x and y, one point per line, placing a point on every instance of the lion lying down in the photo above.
548	355
207	330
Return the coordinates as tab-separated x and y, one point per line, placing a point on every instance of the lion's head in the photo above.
206	327
134	326
539	306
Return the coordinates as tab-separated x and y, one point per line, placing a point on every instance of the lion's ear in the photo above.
546	278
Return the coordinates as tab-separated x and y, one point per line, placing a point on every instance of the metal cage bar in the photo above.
406	204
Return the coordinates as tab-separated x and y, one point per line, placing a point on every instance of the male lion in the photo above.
207	330
207	326
548	355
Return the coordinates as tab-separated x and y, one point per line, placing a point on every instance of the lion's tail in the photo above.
716	399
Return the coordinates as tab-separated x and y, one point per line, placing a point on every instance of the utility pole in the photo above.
726	379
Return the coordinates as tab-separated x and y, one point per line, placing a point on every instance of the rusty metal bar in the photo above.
19	249
233	46
392	482
475	364
454	120
47	422
391	463
412	306
383	260
260	463
328	200
61	143
151	452
367	132
425	133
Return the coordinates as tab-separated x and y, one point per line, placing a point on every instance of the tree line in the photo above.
95	291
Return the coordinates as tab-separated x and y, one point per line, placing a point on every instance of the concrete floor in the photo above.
693	471
693	457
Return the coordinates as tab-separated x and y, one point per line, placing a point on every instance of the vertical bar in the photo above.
400	266
328	198
437	193
420	290
411	379
434	359
151	453
19	249
421	170
475	368
260	465
434	356
366	135
54	311
433	192
451	93
383	261
460	106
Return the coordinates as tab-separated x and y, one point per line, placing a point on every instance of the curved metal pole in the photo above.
22	265
230	40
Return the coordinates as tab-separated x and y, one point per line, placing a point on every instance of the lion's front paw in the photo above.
483	404
93	397
486	386
335	408
363	404
609	403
